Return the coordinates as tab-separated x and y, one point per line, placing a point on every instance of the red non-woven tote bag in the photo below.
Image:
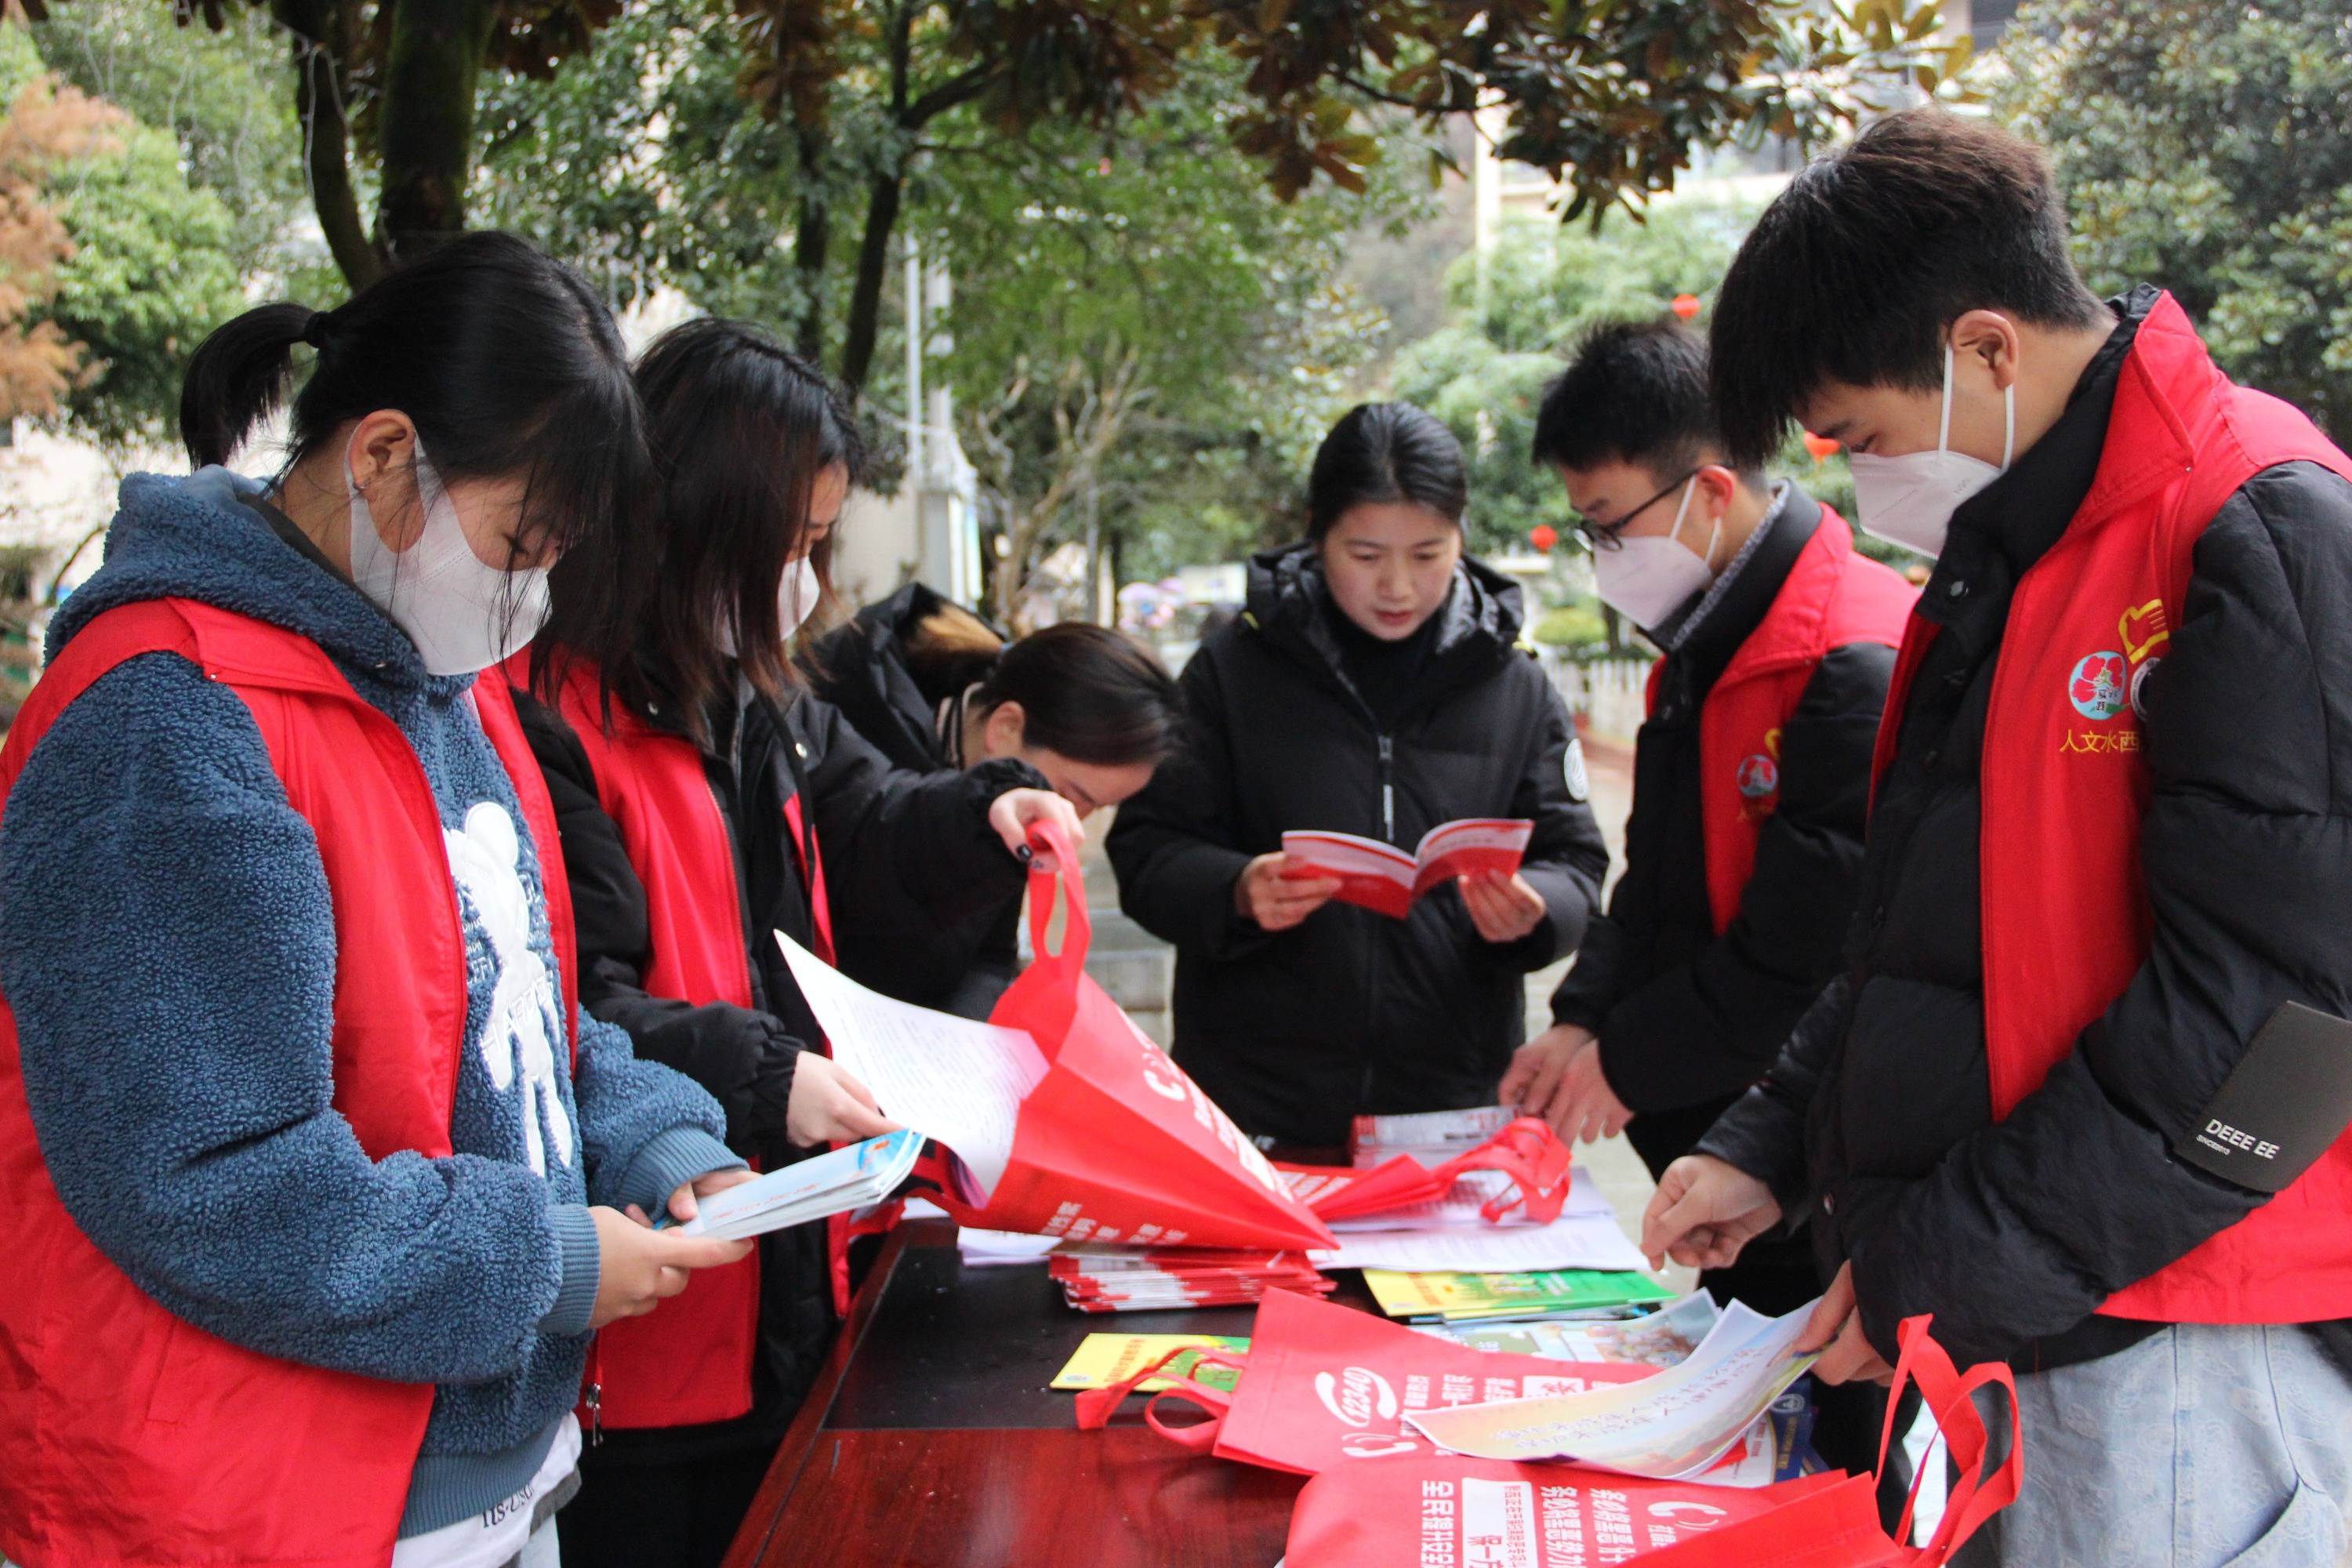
1449	1510
1837	1526
1115	1143
1527	1151
1321	1385
1446	1508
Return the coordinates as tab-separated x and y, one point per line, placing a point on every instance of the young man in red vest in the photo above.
1751	779
2057	1099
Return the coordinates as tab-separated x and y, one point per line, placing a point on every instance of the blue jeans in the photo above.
2204	1445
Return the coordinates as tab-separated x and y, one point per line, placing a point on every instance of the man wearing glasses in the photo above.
1751	776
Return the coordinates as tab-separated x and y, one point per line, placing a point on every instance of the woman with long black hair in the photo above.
711	803
317	1182
936	687
1373	686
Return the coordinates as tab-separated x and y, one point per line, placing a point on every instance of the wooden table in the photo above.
930	1441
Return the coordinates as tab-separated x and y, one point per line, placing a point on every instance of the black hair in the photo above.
506	362
1087	693
740	428
1386	452
1635	393
1856	271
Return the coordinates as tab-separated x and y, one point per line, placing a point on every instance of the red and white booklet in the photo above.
1384	878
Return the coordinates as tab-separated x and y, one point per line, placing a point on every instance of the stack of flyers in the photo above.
1106	1359
1430	1137
855	1176
1546	1292
1163	1279
1663	1339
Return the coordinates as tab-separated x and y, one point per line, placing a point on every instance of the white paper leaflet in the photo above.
956	1080
1572	1241
1671	1425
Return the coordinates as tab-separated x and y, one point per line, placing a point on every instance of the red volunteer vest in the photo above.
1832	596
2065	918
135	1437
689	1361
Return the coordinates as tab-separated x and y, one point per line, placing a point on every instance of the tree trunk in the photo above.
321	44
863	326
425	135
812	239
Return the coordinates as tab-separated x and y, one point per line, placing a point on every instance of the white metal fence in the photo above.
1608	692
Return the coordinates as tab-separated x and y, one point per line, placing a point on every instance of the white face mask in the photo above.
462	616
1909	501
1649	578
796	595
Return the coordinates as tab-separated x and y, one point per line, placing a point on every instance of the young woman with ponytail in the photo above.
318	1182
935	688
710	803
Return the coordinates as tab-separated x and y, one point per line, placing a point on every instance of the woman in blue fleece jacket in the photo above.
170	953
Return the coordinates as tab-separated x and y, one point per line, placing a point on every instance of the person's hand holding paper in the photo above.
1834	1332
830	1106
955	1079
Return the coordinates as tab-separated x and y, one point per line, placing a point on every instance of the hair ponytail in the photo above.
238	378
951	648
507	363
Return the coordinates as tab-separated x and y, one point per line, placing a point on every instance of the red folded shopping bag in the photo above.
1116	1142
1433	1508
1323	1383
1445	1508
1528	1151
1838	1527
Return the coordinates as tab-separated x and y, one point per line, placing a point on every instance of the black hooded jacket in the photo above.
893	844
1294	1032
861	668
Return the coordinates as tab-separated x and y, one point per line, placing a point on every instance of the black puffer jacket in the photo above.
2013	1234
1688	1019
892	842
1295	1032
861	668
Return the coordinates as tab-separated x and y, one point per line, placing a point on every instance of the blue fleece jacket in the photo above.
168	945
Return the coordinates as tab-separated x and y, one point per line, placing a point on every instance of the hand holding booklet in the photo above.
851	1177
1383	878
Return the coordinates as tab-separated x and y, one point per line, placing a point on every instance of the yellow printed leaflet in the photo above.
1106	1359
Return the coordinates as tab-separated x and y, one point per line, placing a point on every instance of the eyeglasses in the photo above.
1608	535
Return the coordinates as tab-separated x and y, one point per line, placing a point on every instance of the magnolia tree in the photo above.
1610	95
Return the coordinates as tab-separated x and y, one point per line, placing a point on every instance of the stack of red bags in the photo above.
1159	1279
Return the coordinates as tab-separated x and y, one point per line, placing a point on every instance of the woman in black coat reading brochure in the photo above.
1374	687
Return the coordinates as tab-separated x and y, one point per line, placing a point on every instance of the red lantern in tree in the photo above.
1543	536
1820	447
1685	306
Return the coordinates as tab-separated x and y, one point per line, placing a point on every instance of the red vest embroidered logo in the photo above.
1831	597
1760	777
2097	687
